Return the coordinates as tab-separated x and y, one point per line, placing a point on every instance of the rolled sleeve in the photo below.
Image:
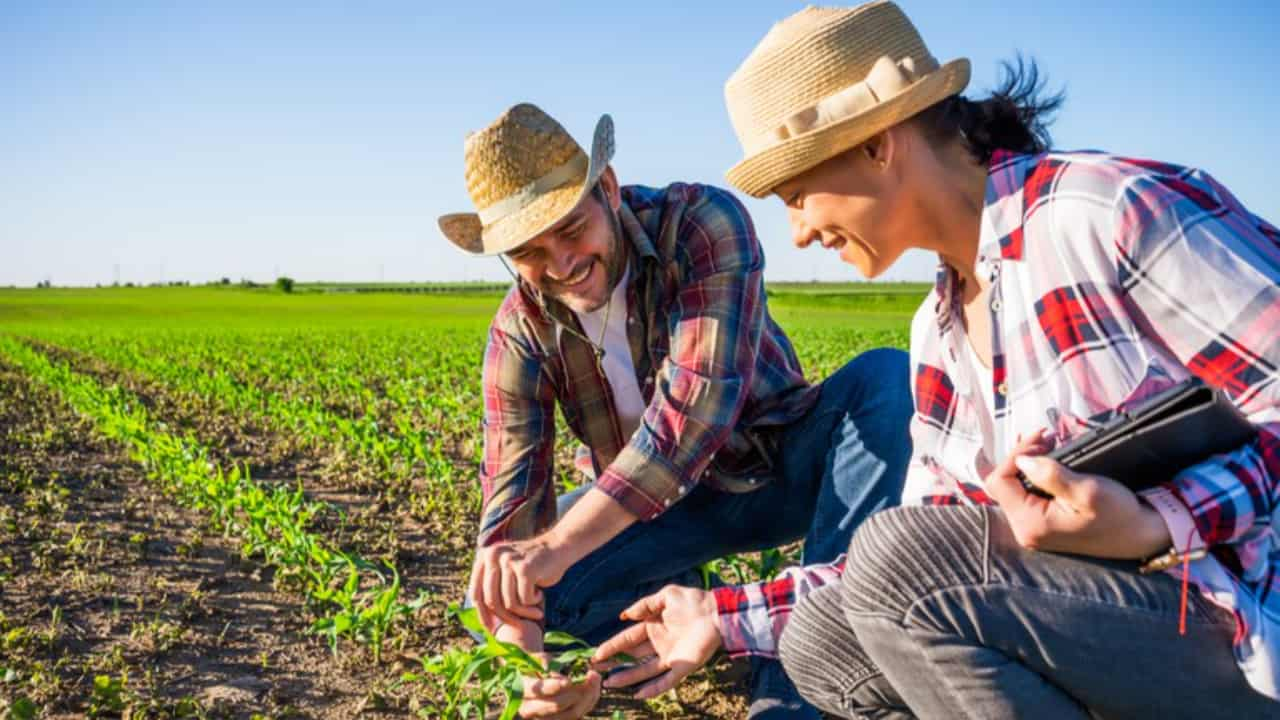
519	438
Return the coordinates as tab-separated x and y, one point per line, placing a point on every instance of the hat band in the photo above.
886	79
521	198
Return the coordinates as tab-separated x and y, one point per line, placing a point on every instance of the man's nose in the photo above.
560	265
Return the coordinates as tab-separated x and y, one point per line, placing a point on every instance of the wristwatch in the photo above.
1182	529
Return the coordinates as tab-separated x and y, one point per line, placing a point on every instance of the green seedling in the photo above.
108	695
352	597
472	679
22	709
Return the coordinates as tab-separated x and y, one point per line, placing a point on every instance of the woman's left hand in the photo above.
1089	514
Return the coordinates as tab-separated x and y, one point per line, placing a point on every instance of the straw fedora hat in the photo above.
524	173
824	80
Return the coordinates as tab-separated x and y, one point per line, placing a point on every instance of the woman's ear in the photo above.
879	149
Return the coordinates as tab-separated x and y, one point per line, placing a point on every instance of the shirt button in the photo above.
995	305
683	489
667	502
1003	388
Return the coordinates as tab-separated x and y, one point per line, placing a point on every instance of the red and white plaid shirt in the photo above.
1112	279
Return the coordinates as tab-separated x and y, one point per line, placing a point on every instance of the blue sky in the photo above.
188	141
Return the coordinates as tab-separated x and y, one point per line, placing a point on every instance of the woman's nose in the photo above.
801	234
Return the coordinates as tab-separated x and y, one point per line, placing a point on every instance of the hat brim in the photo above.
467	232
759	174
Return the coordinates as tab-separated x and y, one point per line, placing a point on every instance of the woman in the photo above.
1069	284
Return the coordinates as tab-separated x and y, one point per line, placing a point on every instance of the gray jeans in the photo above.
941	614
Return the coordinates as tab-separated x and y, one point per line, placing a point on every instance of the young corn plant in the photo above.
494	671
742	569
270	524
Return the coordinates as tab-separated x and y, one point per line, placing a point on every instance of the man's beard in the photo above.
613	262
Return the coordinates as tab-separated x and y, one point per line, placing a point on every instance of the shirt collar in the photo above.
1000	227
1004	210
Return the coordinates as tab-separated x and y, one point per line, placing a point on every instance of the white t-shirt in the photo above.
619	366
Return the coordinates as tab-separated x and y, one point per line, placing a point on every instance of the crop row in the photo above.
396	450
349	597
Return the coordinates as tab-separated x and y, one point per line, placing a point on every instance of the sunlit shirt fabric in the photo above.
1112	279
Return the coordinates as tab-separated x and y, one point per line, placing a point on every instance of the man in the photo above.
641	313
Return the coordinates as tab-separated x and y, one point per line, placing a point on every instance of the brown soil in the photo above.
228	617
104	576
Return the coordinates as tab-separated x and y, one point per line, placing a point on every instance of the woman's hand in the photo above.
1089	514
676	630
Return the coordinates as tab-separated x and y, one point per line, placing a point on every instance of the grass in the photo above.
848	305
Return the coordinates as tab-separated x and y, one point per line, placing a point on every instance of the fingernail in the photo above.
1026	463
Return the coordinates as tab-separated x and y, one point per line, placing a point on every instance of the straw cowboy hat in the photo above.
824	80
524	173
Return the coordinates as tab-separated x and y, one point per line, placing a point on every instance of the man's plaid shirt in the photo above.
1112	279
709	361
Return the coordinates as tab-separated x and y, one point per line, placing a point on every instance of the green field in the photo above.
203	485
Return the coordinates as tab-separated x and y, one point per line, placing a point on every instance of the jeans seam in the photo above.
859	681
945	677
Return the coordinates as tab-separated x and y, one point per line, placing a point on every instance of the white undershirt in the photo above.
986	379
619	366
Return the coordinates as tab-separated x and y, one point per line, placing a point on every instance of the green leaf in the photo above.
570	658
470	619
515	694
22	709
555	637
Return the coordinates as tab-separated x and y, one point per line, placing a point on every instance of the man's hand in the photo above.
1089	514
554	697
507	580
675	633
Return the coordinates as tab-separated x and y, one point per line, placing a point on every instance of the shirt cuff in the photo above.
1177	517
744	622
645	503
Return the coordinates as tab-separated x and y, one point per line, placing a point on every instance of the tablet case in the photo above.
1146	445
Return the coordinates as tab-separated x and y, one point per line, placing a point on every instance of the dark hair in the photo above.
1015	117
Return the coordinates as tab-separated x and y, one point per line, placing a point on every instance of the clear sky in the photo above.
188	141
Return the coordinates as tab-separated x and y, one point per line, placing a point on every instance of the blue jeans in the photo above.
843	460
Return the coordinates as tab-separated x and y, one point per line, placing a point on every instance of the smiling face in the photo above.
857	203
578	260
